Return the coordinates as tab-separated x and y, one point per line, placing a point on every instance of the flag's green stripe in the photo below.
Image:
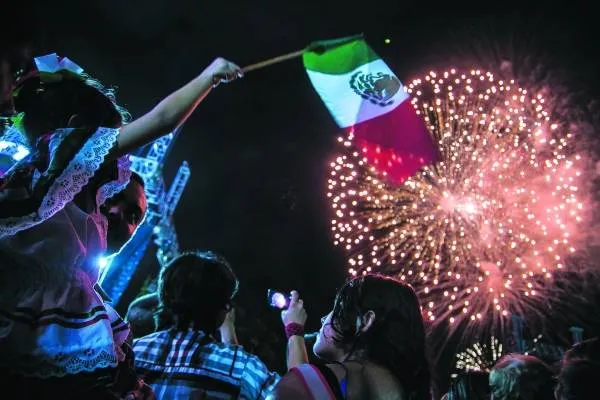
341	59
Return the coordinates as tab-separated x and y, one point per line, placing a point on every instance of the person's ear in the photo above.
365	322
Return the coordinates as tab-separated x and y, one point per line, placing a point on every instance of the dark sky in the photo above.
259	148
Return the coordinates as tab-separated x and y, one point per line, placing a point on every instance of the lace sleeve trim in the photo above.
111	188
71	181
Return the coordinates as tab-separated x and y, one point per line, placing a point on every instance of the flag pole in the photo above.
318	47
274	60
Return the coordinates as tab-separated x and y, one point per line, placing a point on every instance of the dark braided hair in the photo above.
195	288
50	105
396	340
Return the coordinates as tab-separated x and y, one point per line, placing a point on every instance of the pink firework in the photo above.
480	234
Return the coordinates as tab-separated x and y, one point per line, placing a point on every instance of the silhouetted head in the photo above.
523	377
68	100
580	371
197	289
140	314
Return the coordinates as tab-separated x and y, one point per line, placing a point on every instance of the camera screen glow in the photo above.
279	300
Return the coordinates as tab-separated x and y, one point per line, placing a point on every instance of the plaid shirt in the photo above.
192	365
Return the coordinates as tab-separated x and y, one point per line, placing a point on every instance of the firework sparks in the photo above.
479	357
481	232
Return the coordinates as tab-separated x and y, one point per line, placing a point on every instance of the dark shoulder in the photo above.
291	386
368	381
339	370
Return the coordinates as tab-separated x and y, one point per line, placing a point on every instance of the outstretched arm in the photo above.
176	108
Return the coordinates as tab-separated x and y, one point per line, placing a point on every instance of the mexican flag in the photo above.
365	97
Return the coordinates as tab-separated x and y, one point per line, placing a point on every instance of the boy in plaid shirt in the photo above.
185	361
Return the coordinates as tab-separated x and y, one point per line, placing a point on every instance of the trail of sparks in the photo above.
480	357
481	232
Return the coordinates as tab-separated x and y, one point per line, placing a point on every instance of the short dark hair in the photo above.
579	371
195	288
521	376
140	314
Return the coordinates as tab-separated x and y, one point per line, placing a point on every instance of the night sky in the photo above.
259	148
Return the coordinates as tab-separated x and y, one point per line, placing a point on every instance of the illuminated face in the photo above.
125	212
326	347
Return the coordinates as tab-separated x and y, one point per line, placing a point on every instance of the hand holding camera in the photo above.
295	313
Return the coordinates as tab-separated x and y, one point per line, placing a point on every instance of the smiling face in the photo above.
125	211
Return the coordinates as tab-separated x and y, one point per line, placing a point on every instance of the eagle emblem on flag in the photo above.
378	88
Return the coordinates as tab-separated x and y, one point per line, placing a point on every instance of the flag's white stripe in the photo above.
345	105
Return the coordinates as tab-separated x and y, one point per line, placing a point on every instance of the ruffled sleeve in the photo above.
109	189
61	167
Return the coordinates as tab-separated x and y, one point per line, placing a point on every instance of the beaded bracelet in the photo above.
294	329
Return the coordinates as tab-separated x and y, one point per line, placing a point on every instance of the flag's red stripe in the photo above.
397	142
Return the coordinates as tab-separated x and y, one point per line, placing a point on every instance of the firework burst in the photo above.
480	234
480	357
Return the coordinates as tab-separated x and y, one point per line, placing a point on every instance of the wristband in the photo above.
294	329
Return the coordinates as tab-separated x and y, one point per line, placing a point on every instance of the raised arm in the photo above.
175	108
296	347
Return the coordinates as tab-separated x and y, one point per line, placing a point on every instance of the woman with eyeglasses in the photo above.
372	343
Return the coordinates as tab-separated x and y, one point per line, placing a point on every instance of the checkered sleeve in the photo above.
257	380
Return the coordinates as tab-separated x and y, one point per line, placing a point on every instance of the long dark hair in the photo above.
49	105
396	340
